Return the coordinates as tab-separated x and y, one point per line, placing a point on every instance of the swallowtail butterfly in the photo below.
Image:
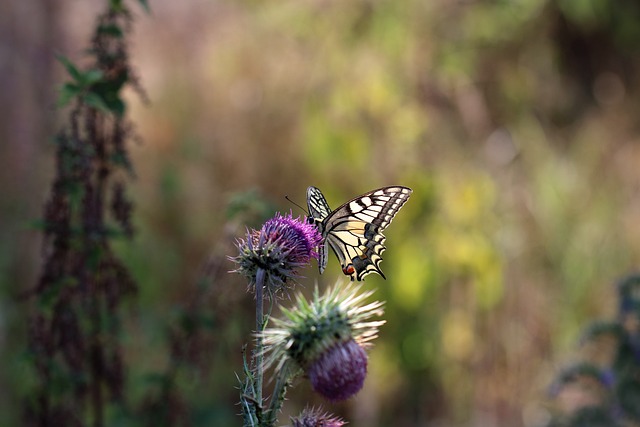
354	230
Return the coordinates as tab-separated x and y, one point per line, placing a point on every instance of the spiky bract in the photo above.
325	338
280	248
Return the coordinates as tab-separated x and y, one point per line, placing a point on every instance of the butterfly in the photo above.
354	230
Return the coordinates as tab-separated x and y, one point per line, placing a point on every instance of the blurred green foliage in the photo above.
513	122
603	387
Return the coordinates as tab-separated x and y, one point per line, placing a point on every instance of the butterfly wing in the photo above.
318	207
354	230
319	210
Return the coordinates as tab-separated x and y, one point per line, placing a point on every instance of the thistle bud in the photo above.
326	338
316	418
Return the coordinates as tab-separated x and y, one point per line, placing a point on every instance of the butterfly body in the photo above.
354	230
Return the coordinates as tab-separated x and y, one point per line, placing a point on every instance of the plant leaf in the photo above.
67	92
94	100
92	76
112	30
70	67
145	5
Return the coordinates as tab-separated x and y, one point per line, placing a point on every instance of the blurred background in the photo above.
515	123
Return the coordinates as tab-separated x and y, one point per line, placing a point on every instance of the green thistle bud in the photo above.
326	338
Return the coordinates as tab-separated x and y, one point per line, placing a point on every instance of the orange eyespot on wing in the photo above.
349	270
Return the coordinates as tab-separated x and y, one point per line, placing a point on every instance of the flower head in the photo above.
280	248
339	372
312	417
326	338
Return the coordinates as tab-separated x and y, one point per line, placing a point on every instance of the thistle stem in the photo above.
260	276
283	381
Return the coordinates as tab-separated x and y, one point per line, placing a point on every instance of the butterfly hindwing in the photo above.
354	230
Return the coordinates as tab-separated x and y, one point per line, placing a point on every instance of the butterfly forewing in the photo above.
319	209
354	230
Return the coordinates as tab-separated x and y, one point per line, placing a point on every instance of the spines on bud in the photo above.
312	417
326	338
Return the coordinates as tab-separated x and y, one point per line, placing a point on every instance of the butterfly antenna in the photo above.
295	204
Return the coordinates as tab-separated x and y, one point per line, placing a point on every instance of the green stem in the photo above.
260	277
283	381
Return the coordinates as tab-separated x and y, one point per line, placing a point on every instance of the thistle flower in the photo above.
326	339
312	417
280	248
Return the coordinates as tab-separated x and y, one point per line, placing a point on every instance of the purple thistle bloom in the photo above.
339	372
280	248
297	234
316	418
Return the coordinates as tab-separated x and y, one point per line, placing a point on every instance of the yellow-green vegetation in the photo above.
513	122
